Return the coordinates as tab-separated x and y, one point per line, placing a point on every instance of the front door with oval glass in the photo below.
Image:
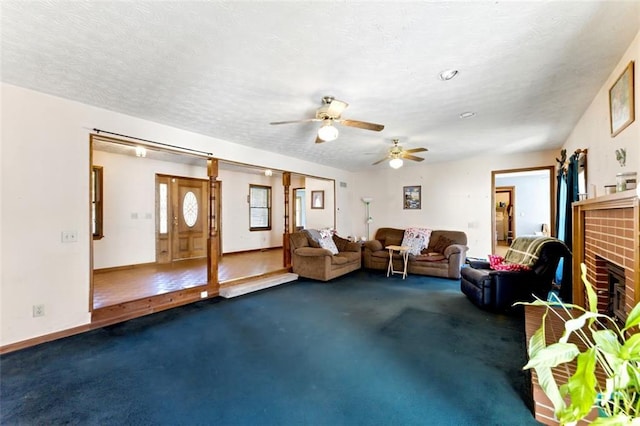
181	228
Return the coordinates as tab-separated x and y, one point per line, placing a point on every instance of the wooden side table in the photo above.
404	252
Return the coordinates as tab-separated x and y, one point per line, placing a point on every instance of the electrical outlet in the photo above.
204	294
69	236
38	311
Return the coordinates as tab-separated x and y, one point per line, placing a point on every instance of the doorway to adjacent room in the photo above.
522	204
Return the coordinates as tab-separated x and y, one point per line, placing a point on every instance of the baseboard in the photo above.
252	250
124	267
12	347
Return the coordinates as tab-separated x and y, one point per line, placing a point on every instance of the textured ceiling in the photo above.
227	69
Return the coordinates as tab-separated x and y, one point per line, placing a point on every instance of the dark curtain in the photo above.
567	194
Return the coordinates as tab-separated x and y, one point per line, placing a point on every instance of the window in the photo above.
190	209
96	202
259	208
163	209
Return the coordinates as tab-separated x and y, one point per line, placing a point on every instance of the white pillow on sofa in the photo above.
414	241
425	232
326	241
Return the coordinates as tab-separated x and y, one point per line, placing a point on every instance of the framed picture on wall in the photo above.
317	199
411	196
621	102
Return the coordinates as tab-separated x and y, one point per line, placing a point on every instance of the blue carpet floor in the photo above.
361	350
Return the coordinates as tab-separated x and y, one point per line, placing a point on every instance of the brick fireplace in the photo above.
605	238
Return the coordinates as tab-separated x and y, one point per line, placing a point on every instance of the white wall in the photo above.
235	212
593	130
320	218
532	202
455	195
45	190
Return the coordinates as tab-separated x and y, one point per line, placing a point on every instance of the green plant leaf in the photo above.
631	348
553	355
576	324
538	341
607	341
634	379
634	318
592	297
550	388
581	387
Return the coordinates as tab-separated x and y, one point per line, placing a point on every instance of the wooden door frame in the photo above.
552	198
171	226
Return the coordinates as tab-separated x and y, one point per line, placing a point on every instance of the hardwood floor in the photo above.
501	248
124	285
242	265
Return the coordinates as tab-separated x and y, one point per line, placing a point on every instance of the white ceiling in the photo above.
227	69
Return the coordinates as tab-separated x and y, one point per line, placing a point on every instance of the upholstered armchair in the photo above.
498	290
310	260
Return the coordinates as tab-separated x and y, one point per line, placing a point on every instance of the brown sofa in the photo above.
311	261
447	264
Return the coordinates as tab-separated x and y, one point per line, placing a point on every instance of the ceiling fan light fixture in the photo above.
396	163
447	75
327	132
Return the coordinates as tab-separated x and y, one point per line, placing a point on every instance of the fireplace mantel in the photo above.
617	200
607	227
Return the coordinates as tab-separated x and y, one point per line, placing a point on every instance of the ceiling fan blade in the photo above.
336	108
411	157
318	140
296	121
380	161
361	125
416	150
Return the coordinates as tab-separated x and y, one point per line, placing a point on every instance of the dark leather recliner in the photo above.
499	290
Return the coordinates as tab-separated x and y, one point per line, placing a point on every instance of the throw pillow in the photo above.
414	241
314	238
341	243
393	238
326	241
425	232
497	263
440	244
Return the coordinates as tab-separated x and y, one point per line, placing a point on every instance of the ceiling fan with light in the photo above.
397	154
330	113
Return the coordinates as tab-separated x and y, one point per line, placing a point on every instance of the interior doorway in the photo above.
532	212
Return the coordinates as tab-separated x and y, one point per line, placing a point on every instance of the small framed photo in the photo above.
412	196
621	102
317	199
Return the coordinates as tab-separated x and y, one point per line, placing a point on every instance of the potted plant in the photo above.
605	346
